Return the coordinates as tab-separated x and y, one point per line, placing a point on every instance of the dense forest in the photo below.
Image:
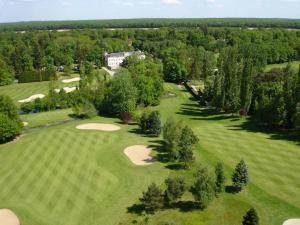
153	23
185	53
229	61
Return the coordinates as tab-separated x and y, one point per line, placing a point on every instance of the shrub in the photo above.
27	107
220	177
175	189
251	217
37	76
240	175
84	110
150	123
203	189
126	117
9	128
152	198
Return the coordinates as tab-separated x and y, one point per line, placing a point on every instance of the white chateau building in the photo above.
114	60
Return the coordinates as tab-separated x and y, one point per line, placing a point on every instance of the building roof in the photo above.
123	54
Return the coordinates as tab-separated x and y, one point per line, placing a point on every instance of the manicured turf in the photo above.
19	91
47	118
61	175
274	165
295	66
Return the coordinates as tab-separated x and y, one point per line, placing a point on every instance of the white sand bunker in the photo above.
292	222
71	80
7	217
98	126
139	155
32	98
66	89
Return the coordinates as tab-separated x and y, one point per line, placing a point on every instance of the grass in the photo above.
295	66
61	175
47	118
19	91
273	165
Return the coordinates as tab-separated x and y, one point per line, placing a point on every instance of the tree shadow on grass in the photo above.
187	206
251	125
159	147
175	166
136	209
162	156
232	189
198	113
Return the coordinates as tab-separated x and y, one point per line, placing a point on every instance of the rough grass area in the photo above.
295	66
61	175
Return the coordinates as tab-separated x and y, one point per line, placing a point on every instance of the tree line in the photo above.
152	23
189	53
241	85
204	188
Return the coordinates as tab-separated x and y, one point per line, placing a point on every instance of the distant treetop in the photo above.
153	23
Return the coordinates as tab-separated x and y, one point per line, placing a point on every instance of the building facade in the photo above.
114	60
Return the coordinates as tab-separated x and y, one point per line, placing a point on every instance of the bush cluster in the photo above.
10	123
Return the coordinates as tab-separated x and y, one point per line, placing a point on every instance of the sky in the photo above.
33	10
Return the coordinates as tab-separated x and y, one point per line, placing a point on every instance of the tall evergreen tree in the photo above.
240	175
153	198
228	69
175	189
288	95
246	84
251	217
220	177
155	123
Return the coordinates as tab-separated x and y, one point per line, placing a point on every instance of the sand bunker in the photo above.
98	126
32	98
139	155
66	89
7	217
292	222
71	80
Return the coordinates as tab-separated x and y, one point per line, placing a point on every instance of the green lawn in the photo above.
47	118
295	66
60	175
19	91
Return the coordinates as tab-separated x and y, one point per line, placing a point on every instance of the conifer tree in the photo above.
251	217
240	175
220	177
175	189
152	198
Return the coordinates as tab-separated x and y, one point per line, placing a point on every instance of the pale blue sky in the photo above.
24	10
